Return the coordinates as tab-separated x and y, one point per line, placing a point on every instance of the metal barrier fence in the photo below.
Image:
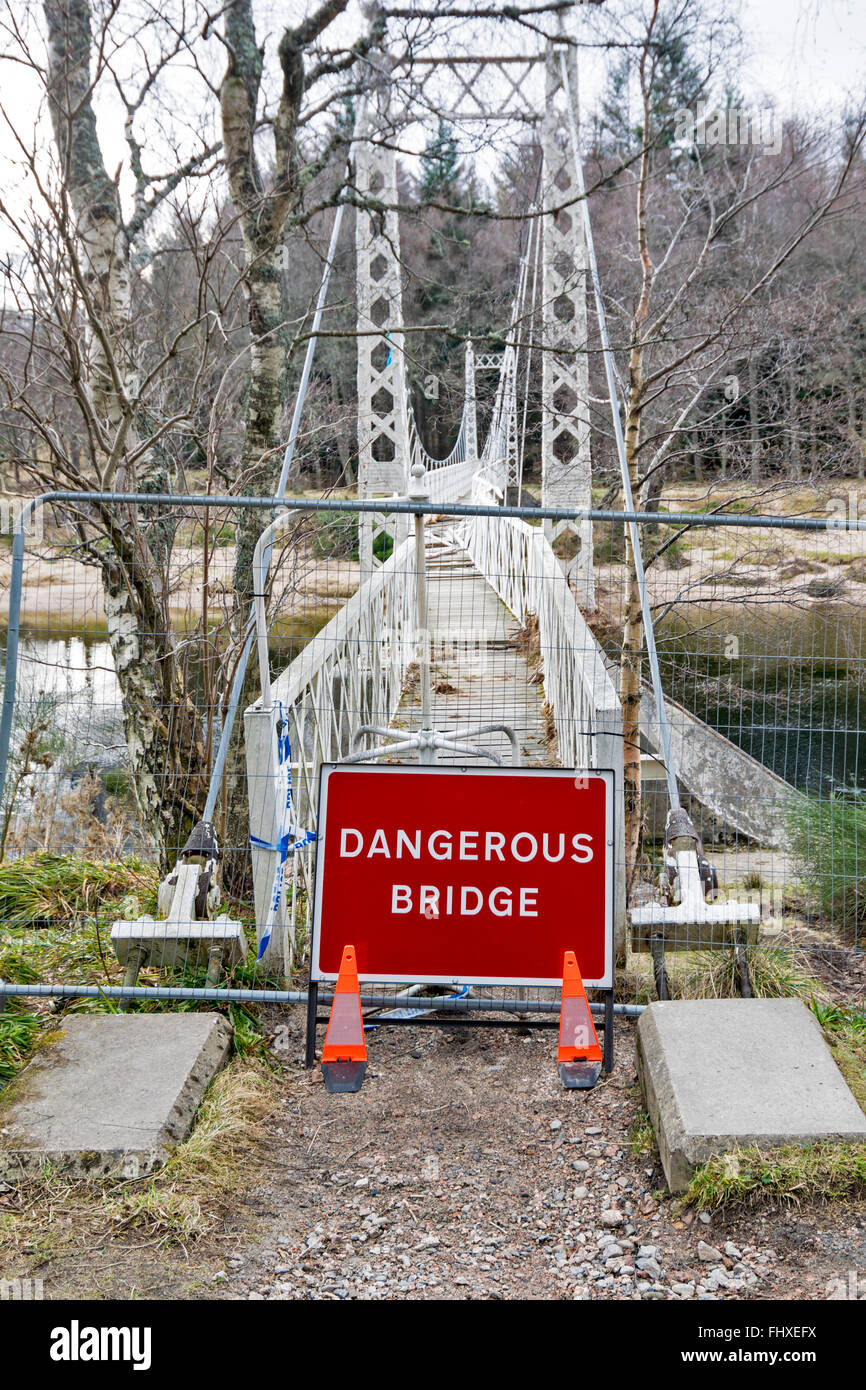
130	627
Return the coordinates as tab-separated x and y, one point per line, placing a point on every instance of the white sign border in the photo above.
391	769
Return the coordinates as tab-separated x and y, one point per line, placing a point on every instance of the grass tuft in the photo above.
828	838
775	973
162	1214
229	1121
791	1174
18	1031
42	888
642	1139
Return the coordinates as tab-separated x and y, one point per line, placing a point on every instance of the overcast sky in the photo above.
806	52
804	55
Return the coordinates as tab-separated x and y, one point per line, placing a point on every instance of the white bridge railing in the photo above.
447	479
518	563
351	673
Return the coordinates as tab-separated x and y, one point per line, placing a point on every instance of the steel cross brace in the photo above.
428	741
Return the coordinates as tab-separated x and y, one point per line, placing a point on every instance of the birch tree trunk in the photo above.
633	634
159	718
794	426
754	435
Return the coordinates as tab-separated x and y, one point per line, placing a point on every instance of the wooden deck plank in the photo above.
480	667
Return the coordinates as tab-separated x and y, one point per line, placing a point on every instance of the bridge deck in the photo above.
483	665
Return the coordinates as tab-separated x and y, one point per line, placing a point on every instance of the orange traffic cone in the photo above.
579	1055
344	1056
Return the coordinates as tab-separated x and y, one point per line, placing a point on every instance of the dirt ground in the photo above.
461	1170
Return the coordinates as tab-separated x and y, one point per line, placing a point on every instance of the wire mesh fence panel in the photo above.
135	616
760	639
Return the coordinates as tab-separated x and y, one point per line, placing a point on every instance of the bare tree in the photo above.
698	217
148	331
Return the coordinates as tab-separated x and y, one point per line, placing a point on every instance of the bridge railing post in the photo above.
609	753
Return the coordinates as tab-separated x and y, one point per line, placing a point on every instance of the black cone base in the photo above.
579	1076
343	1076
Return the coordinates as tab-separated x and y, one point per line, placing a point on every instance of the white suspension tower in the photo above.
383	447
565	449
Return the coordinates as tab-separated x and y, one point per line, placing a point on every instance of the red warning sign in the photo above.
474	875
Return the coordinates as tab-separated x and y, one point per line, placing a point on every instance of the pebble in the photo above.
495	1221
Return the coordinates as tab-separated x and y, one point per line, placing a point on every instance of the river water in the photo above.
787	686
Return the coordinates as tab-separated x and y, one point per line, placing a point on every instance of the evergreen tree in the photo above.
440	165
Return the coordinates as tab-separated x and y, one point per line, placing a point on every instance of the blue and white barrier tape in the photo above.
292	839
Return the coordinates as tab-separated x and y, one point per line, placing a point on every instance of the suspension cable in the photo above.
610	374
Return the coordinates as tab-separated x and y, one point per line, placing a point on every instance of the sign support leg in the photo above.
607	1057
312	1006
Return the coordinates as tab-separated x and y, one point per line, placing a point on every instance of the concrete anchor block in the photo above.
721	1074
110	1095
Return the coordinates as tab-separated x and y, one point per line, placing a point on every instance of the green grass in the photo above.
847	1022
642	1139
219	536
775	973
828	839
335	537
19	1029
52	887
791	1174
845	1030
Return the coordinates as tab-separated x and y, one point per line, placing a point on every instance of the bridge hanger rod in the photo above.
628	498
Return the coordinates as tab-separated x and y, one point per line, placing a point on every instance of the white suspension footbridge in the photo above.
470	642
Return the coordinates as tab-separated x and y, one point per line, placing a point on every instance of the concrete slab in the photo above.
717	1074
110	1094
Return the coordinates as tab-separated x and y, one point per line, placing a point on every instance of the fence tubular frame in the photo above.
472	515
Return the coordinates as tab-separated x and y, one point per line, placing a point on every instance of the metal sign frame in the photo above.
603	981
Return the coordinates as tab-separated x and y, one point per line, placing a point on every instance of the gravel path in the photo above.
462	1169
